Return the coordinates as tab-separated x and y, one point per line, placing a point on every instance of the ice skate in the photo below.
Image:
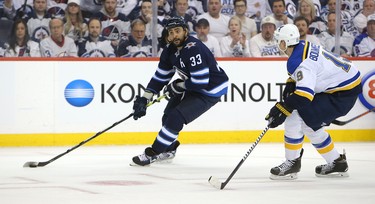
150	156
287	170
338	168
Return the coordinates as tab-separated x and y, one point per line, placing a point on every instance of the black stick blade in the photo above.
215	182
31	164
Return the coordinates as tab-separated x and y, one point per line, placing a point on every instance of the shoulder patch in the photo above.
190	44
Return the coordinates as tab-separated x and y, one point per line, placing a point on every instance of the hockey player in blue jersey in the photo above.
201	84
322	87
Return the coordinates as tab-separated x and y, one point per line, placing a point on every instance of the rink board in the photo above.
36	111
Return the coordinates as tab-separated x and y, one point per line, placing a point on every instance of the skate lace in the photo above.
166	155
328	167
286	165
143	157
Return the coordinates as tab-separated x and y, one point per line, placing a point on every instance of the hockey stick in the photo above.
341	123
33	164
220	185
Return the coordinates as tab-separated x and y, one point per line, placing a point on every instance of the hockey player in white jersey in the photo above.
321	88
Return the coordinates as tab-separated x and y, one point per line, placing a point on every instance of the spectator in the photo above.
202	29
146	17
290	8
90	7
263	44
346	19
94	45
218	21
127	7
196	8
114	24
279	13
75	26
137	44
303	27
249	26
57	45
360	20
38	22
181	7
20	44
366	46
307	9
327	38
3	48
235	43
56	8
7	10
17	9
256	9
352	6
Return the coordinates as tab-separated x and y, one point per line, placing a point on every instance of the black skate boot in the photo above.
150	156
287	170
337	168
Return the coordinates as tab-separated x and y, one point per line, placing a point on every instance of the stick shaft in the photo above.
337	122
94	136
245	157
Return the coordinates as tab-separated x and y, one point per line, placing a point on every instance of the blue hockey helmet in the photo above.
174	22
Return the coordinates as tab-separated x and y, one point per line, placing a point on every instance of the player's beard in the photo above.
178	42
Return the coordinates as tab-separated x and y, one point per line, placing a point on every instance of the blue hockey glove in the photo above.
176	88
289	88
140	104
139	107
278	114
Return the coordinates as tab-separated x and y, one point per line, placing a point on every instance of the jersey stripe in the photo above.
346	85
305	92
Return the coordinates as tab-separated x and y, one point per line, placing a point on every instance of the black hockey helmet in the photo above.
175	21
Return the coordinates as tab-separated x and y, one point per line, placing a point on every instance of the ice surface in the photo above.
101	174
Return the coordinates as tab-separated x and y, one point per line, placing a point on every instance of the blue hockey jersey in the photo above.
195	64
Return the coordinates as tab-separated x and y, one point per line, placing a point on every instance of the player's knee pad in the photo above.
174	121
293	126
317	136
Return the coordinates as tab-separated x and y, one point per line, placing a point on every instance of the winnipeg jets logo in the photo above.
190	44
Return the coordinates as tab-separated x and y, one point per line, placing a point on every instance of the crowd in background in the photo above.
229	28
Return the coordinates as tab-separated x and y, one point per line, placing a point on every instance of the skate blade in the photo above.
134	164
333	175
168	161
164	161
291	176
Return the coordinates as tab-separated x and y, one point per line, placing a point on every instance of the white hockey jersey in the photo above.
49	48
30	50
317	70
346	42
101	48
39	27
366	48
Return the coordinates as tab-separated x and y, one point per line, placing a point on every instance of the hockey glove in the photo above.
176	88
278	114
140	105
289	88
